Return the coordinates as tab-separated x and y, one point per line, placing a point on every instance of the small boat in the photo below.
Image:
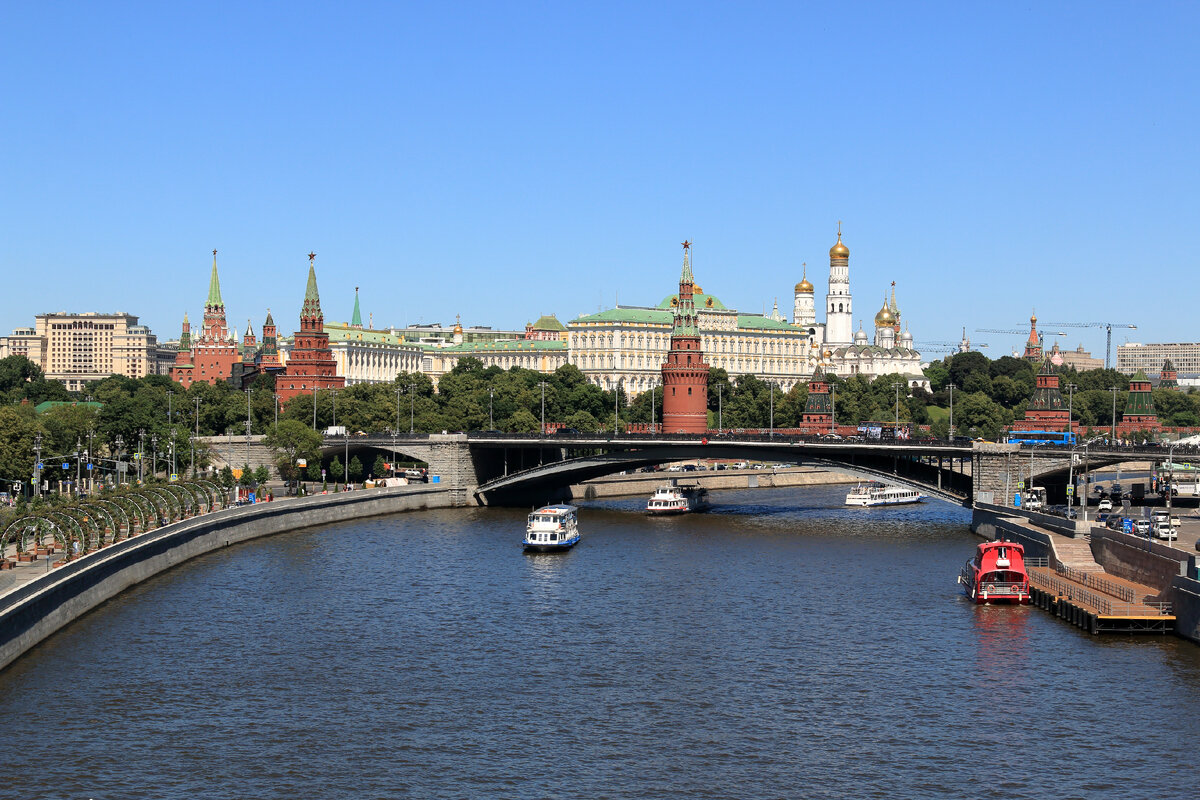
673	499
996	574
875	493
552	528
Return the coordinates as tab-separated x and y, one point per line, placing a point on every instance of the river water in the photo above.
779	646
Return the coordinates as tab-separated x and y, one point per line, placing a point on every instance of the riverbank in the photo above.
40	600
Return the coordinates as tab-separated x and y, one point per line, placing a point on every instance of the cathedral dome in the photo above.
860	337
839	250
884	318
804	287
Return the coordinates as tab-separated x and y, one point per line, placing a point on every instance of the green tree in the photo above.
336	470
292	440
261	474
522	421
247	478
227	479
356	469
378	469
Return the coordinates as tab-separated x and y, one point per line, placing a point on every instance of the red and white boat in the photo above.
996	574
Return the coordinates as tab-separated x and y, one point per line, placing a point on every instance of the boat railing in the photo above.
1002	587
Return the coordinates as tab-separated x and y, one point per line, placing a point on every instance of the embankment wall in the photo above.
34	610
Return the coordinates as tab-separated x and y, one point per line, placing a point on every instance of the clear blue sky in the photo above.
505	160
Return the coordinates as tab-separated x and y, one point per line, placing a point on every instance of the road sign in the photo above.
174	477
89	466
302	462
1070	491
1020	484
322	473
39	465
237	473
66	465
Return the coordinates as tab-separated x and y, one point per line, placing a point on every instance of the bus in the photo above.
1057	438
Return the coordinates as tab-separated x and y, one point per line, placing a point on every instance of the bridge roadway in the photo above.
512	468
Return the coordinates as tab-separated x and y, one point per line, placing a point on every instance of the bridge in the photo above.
520	469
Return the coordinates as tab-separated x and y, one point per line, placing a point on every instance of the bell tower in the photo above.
685	373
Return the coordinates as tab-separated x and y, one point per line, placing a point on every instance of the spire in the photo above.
312	300
185	337
270	320
895	310
249	328
356	319
687	277
214	287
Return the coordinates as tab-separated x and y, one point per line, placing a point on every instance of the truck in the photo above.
335	430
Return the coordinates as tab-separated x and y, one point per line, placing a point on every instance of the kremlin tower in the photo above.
685	374
210	356
818	408
310	365
1033	345
839	325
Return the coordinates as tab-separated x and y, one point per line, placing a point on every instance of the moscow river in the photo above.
779	646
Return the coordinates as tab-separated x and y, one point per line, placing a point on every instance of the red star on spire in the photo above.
686	244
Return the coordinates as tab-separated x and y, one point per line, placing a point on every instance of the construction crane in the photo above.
1108	326
1019	332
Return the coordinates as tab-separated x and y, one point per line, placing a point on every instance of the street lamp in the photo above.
276	409
772	422
197	436
896	425
491	420
833	408
398	390
543	407
951	387
1113	435
720	408
616	405
653	389
412	407
1071	407
248	429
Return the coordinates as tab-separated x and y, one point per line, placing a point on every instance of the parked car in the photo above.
1141	527
1105	505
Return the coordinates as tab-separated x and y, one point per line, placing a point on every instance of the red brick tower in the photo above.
310	365
213	351
249	345
818	408
181	371
685	374
268	355
1139	407
1168	378
1047	411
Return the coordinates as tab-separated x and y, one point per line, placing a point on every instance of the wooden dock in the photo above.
1097	602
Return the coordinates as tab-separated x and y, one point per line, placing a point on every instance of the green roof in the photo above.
341	332
214	286
46	405
760	322
548	322
510	345
624	314
703	301
356	319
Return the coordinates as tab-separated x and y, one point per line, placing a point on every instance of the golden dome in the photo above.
884	318
828	354
804	286
839	250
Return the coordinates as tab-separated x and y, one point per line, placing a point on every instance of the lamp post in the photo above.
1170	485
141	455
951	387
249	427
314	408
616	405
1071	407
720	407
833	408
78	454
276	409
543	407
412	406
197	436
491	419
896	425
772	419
119	442
154	456
653	389
1113	434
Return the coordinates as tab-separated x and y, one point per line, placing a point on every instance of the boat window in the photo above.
554	537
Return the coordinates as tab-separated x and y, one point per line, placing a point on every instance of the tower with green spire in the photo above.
685	373
1139	406
214	328
311	365
356	318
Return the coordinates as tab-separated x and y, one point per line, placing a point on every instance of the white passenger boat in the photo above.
672	499
880	494
552	528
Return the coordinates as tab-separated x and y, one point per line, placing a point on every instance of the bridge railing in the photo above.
715	437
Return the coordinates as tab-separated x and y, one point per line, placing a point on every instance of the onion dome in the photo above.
804	287
860	337
458	323
884	318
828	354
839	250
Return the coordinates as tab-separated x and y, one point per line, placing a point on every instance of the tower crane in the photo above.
1019	332
1108	326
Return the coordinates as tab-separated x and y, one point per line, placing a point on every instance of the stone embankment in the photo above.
36	607
644	483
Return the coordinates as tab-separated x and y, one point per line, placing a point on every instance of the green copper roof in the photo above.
686	275
312	300
214	286
506	346
356	319
703	301
341	332
626	314
548	322
758	322
46	405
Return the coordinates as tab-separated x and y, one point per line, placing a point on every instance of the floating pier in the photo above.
1097	602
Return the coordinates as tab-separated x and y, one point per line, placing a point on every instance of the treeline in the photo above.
156	413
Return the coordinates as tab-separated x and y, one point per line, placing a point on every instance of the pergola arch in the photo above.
107	503
158	510
183	498
94	508
18	530
214	491
173	507
88	524
76	535
145	509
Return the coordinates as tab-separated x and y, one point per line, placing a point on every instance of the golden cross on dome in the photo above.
311	256
214	253
686	244
839	229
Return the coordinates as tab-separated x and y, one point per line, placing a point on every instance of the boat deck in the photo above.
1098	602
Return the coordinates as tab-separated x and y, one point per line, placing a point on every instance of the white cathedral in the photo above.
841	350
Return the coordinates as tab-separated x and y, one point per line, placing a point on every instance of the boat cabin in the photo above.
1000	562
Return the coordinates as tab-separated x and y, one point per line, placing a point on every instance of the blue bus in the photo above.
1058	438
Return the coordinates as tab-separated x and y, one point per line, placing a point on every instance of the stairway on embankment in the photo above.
1075	553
